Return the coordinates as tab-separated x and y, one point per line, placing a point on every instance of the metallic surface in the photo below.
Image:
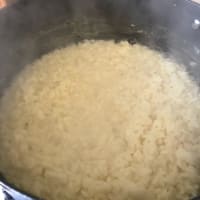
8	193
29	29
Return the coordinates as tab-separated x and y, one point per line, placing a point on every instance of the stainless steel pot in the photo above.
29	29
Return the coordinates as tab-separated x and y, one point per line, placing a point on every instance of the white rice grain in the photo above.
102	121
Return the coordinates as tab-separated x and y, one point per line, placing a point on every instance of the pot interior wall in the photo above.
29	29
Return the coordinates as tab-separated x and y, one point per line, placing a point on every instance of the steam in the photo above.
21	24
170	23
181	19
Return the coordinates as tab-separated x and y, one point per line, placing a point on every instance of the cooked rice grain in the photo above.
102	121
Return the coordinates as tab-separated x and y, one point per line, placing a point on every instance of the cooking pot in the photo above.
30	29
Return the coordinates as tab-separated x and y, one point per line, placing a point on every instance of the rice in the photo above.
102	121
